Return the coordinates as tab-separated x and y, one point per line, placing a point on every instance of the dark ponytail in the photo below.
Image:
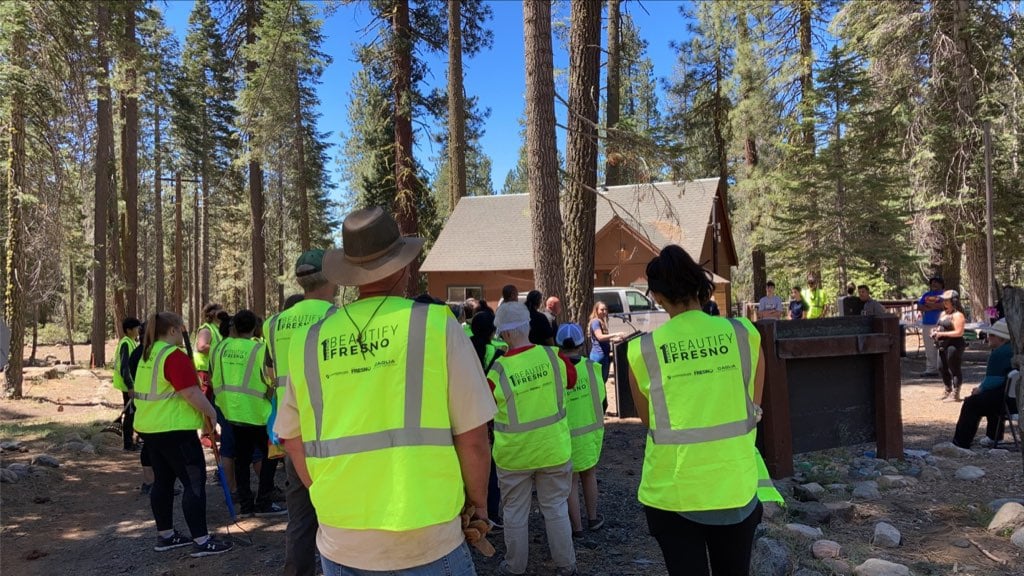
156	326
482	326
677	277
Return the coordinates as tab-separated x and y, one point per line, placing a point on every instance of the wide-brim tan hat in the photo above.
999	329
372	249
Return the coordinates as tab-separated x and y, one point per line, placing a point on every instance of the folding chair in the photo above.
1013	390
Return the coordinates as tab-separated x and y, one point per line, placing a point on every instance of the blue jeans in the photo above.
605	360
458	562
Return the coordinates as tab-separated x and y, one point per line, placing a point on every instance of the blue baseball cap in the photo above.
571	332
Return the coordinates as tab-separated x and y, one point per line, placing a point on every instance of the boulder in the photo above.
9	476
950	450
889	470
866	490
804	530
770	558
811	492
969	473
1017	539
838	566
81	373
886	536
826	549
20	469
931	473
841	510
996	504
1010	515
838	487
772	510
46	460
813	513
889	482
877	567
10	446
998	453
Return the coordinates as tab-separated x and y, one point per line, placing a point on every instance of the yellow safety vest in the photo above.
278	330
697	372
766	490
815	300
530	428
237	379
119	382
202	359
585	411
158	408
374	416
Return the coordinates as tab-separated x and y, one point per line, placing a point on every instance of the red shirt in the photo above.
570	369
179	371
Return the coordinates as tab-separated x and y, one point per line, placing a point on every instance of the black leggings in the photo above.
128	421
177	455
951	353
991	405
688	547
247	439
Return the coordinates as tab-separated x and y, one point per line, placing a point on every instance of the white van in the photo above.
629	309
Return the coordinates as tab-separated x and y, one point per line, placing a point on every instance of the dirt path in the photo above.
88	517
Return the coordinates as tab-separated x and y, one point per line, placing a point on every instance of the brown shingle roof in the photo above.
494	233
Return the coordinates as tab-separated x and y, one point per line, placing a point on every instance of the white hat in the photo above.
999	329
511	315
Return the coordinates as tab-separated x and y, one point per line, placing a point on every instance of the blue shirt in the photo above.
930	316
998	368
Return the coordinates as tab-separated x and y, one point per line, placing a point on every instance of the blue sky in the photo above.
497	76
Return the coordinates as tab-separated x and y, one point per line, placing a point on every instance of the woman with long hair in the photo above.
483	330
949	339
170	407
600	340
695	382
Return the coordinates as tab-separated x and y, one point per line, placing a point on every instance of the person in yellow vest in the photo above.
123	378
385	416
170	408
206	339
532	445
315	302
242	392
696	382
584	407
814	298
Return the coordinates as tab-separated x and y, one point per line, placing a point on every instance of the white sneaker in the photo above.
986	442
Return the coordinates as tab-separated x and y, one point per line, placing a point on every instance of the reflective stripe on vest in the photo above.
119	382
411	434
595	396
154	382
514	425
280	362
661	431
247	378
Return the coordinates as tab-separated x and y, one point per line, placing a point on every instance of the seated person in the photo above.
987	399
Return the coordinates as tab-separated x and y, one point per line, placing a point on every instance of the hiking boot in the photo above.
595	523
174	541
566	571
212	547
504	570
272	509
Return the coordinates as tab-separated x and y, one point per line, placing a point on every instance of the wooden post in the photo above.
888	415
778	434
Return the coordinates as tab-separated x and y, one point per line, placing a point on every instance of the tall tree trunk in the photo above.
103	186
196	276
407	200
301	188
179	241
259	242
719	121
759	270
456	107
541	152
280	239
35	335
807	75
612	170
157	229
130	165
581	157
203	247
14	297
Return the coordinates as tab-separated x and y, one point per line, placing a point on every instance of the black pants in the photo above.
178	455
987	404
128	422
688	547
248	438
493	494
300	535
951	355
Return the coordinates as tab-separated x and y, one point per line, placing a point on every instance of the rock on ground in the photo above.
813	513
950	450
1010	515
891	481
9	476
840	567
931	473
1018	538
805	531
826	549
969	473
841	510
866	490
46	460
996	504
811	492
877	567
886	535
771	558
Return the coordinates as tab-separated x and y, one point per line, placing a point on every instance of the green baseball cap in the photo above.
310	262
